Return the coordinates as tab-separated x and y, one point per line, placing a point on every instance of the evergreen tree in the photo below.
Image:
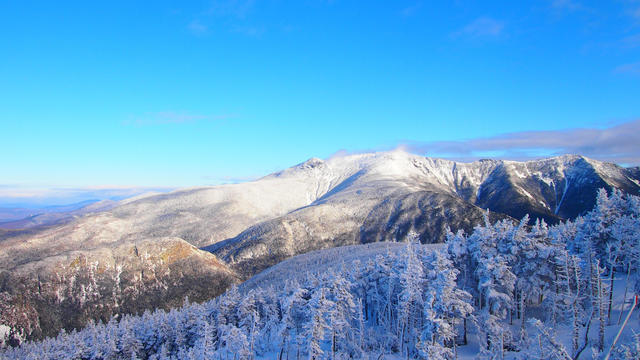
410	300
445	306
315	330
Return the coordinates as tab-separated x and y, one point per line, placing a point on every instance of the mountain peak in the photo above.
311	163
351	199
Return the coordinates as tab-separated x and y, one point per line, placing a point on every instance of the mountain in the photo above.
378	197
22	219
71	288
492	293
216	236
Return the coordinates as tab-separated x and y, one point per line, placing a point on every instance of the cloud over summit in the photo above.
619	144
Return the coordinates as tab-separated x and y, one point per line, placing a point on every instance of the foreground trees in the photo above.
509	287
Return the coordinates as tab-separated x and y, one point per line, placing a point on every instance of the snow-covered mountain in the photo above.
376	197
251	226
505	291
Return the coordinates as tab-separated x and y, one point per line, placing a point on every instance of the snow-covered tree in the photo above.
410	300
413	300
316	328
445	306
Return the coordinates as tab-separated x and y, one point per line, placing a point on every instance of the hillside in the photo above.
381	197
505	291
248	227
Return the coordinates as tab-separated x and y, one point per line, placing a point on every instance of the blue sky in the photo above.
132	94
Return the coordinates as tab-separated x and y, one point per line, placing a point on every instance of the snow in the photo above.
634	181
519	174
339	190
564	193
4	334
208	215
544	178
525	192
416	298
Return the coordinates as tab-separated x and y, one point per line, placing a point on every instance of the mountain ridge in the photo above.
398	192
245	228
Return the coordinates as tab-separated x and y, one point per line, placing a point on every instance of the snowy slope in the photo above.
315	205
383	196
554	188
299	267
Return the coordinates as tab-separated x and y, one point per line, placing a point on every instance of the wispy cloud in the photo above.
628	69
480	28
197	28
253	31
172	117
411	10
619	144
570	5
233	8
635	13
631	41
230	15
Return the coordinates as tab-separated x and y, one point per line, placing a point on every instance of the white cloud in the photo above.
629	69
570	5
411	10
619	144
631	41
197	28
483	27
635	13
232	8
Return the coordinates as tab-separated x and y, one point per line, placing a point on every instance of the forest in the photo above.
507	290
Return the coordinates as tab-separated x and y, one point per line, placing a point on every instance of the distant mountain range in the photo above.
152	250
27	218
